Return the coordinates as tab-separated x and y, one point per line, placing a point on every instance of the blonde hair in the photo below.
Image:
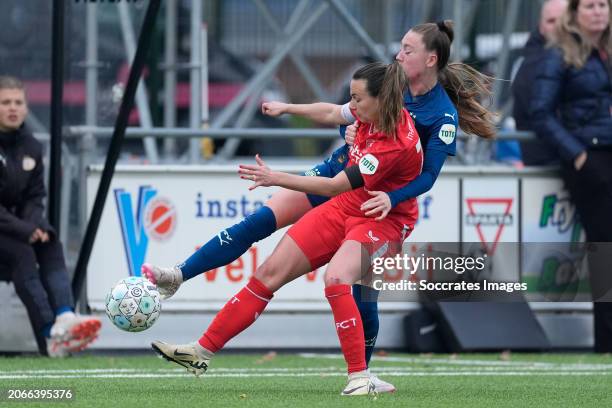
465	86
574	44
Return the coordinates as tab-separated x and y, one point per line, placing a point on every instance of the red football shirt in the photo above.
386	164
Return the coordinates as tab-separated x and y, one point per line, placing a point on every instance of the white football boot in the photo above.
359	383
72	333
192	356
168	280
380	386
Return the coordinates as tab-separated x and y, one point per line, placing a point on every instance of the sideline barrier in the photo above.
161	214
181	206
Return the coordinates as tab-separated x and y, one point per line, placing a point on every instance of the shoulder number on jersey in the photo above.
447	133
368	164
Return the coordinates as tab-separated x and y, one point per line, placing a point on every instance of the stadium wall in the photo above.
160	214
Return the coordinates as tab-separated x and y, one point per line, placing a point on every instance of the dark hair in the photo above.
387	83
9	82
464	85
437	37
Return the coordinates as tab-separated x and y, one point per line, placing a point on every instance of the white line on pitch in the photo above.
449	361
330	374
163	370
316	370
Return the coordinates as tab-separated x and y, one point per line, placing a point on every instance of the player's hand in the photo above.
273	108
379	203
351	133
260	174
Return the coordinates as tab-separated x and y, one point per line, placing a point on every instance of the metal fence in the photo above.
214	61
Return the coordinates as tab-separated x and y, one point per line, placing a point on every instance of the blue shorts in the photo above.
329	168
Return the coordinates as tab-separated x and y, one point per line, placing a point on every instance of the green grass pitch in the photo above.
315	380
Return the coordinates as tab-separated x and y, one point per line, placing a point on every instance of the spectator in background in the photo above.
537	152
29	247
571	107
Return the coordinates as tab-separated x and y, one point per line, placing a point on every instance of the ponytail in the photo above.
387	83
392	99
465	87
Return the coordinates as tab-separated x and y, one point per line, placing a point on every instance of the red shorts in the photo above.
321	232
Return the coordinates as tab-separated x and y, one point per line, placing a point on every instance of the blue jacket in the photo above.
571	107
539	151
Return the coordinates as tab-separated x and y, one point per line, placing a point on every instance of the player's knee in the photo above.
335	278
284	216
267	274
288	207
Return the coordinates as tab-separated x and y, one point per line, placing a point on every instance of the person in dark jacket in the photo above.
29	247
571	107
538	152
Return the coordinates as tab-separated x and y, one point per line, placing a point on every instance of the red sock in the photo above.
237	314
348	325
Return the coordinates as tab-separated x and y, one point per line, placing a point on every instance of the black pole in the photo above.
144	42
57	96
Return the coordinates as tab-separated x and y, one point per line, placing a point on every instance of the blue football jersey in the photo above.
435	118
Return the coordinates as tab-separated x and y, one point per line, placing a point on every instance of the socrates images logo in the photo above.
489	216
154	217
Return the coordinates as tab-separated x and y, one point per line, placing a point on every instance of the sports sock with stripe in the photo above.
237	314
230	243
348	325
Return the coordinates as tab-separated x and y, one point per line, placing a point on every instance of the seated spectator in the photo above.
538	152
29	246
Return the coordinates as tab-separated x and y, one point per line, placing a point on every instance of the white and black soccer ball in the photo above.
133	304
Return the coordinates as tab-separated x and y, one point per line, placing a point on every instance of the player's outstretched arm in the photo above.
321	112
263	176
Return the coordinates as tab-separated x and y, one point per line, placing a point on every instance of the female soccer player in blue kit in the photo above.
440	97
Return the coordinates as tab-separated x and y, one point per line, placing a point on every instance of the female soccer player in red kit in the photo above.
386	155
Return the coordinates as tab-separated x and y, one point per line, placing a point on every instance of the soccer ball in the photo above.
133	304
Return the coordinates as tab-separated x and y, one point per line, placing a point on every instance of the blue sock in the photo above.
230	243
366	299
63	309
46	330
